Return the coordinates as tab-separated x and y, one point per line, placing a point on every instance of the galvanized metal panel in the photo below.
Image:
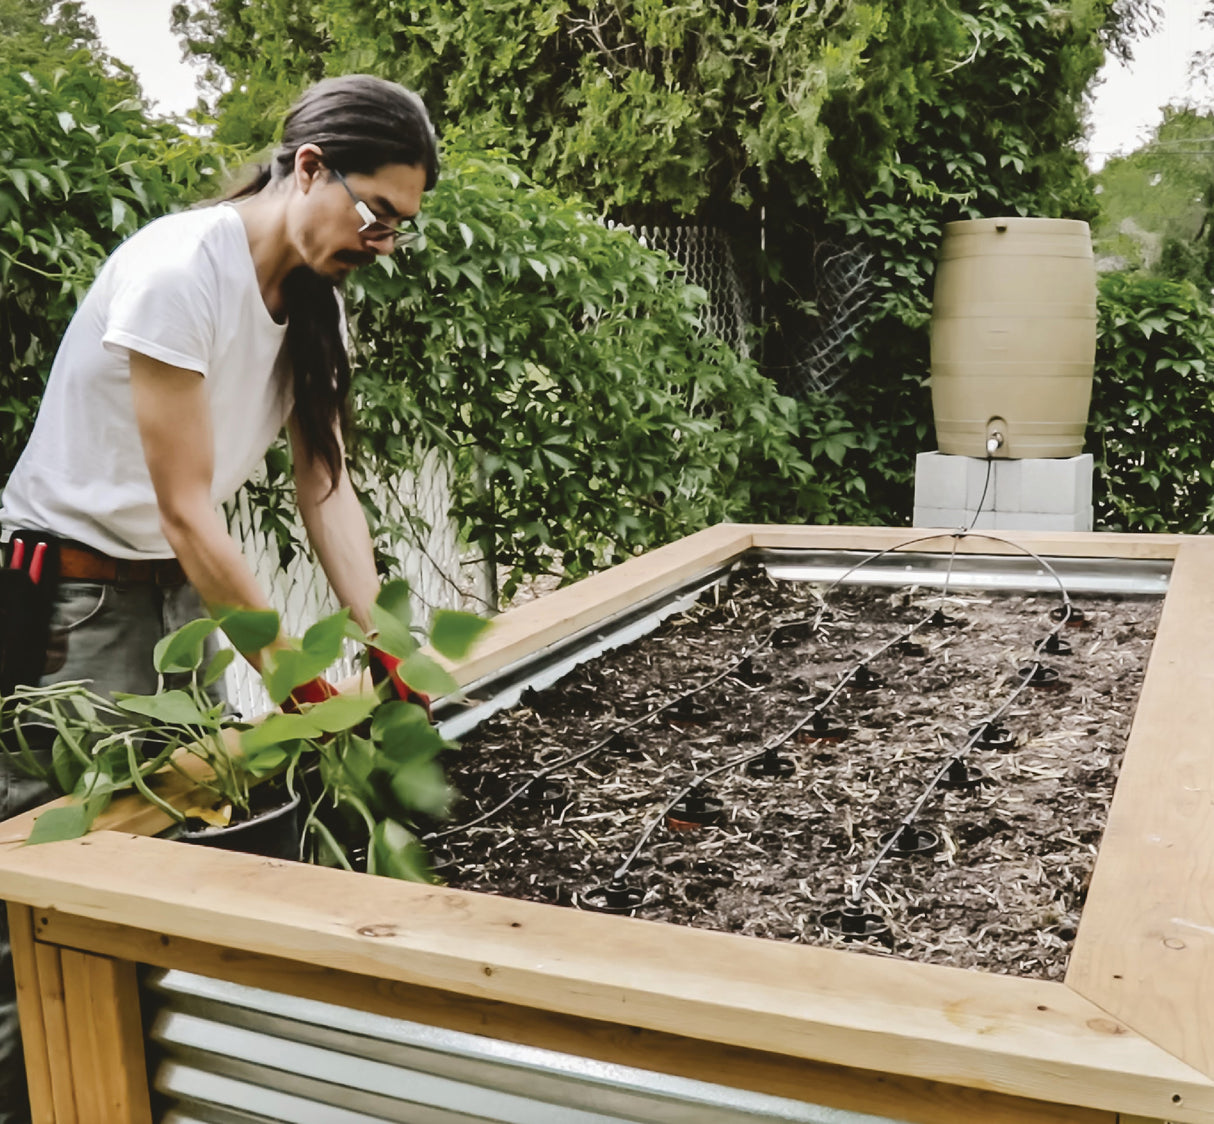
227	1054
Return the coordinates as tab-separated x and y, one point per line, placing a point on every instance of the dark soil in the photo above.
1003	891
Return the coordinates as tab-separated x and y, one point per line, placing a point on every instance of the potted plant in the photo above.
361	767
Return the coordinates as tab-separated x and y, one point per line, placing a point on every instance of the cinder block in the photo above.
978	488
950	482
1009	485
952	519
1046	494
1043	520
1058	486
941	480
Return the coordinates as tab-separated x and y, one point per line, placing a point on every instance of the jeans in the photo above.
104	632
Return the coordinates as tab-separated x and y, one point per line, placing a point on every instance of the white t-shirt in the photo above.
182	290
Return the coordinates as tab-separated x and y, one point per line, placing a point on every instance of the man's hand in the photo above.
386	668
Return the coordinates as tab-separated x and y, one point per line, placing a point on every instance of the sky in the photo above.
1124	107
1126	102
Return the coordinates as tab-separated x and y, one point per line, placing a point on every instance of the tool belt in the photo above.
28	584
34	565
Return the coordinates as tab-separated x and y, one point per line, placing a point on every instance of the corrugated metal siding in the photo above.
226	1054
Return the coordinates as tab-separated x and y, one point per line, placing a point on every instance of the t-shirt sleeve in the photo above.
163	308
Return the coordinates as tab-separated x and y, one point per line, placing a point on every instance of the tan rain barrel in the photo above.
1013	336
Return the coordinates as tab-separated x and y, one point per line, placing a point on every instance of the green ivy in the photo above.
1152	400
81	167
565	370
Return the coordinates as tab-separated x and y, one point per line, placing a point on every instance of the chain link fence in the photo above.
708	259
838	286
842	280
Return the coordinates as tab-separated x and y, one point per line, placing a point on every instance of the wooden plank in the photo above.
54	1021
840	1028
854	1090
1076	544
83	1047
1145	949
105	1030
1022	1037
565	612
30	1013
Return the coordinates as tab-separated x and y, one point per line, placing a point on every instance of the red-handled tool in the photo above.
313	691
18	555
37	560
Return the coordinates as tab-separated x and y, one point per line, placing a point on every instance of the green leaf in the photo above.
423	674
323	640
68	822
219	663
404	733
391	616
250	630
277	729
396	853
66	764
357	765
420	786
343	712
452	633
266	759
183	650
175	707
20	181
284	669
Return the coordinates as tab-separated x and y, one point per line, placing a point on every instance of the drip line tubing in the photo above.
771	745
782	739
960	754
931	786
581	755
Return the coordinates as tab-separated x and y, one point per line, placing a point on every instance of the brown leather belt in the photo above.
79	564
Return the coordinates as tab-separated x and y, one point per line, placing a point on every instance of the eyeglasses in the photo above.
374	229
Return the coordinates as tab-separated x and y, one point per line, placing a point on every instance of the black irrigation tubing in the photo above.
771	745
616	731
775	743
990	461
743	759
976	732
931	785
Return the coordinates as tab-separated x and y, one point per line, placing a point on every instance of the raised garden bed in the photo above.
1002	850
1127	1034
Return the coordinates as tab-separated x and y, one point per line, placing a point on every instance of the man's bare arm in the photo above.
337	530
173	415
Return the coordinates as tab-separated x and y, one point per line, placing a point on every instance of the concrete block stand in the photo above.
1022	495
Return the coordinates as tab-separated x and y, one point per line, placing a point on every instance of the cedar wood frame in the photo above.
1129	1035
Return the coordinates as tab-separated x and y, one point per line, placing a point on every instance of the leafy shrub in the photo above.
564	368
81	167
1152	402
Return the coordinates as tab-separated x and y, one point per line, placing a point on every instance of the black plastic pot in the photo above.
273	833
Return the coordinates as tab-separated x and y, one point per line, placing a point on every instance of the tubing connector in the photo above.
996	428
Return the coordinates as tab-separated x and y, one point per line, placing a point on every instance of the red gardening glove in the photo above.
313	691
386	667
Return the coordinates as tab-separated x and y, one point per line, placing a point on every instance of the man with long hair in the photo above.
205	334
